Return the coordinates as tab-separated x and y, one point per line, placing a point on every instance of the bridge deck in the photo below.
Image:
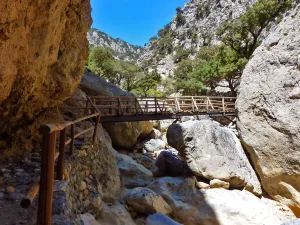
127	108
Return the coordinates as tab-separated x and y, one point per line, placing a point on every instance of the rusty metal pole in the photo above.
62	146
47	180
96	129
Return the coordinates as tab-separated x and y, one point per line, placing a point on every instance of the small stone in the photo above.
82	186
4	170
85	193
82	154
87	173
15	196
202	185
10	189
19	170
216	183
96	202
1	195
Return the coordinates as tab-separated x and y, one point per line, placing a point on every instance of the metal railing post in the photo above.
47	180
62	146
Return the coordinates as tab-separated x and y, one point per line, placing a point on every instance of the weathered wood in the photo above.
47	180
62	146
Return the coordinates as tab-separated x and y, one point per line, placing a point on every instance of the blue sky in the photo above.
135	21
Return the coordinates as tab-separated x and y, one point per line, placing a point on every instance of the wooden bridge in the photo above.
127	108
98	109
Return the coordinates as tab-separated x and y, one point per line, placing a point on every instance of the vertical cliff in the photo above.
43	48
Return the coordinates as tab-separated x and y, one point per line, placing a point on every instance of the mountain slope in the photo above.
192	27
122	49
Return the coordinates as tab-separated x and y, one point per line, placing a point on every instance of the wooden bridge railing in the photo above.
124	105
44	184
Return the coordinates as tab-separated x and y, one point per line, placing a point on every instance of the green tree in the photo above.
98	60
165	45
165	31
180	20
181	54
243	35
147	85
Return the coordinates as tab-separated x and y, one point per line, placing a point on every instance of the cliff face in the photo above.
197	27
122	49
43	48
268	111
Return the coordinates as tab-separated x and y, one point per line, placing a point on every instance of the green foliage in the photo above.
169	86
99	60
243	35
226	62
126	75
165	31
153	39
147	85
165	45
212	64
194	37
183	68
202	11
181	54
180	20
207	53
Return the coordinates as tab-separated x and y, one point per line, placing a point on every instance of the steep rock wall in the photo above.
43	48
269	111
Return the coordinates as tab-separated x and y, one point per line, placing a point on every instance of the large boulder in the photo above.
87	219
154	145
43	49
126	134
212	206
133	174
268	111
146	201
160	219
214	152
292	222
95	85
115	215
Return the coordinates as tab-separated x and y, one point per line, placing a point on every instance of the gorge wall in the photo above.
43	48
268	111
122	50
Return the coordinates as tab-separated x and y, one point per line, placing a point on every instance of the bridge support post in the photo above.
47	180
